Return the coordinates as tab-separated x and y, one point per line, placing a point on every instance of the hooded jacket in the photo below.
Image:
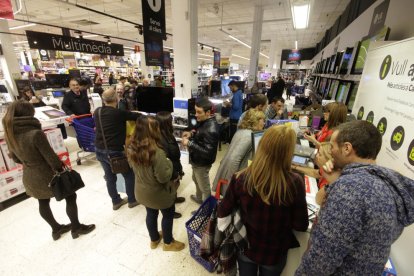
366	210
39	160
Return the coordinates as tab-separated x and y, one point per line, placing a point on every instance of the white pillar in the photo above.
272	54
255	50
185	33
8	60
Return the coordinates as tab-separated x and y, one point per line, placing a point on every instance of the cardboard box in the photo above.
10	164
55	138
3	167
9	177
64	157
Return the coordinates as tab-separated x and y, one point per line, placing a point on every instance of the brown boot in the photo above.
154	244
173	246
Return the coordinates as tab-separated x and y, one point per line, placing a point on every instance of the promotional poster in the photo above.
385	98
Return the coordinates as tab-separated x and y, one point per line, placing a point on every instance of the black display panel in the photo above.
155	99
57	80
345	61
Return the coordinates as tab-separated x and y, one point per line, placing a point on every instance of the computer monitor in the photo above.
343	91
256	137
346	58
333	89
215	88
39	85
3	89
57	80
155	99
351	97
58	93
225	89
338	60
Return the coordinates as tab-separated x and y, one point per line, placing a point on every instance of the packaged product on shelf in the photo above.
11	177
10	164
64	157
11	191
55	138
3	167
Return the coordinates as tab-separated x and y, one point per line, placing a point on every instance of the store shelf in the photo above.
340	77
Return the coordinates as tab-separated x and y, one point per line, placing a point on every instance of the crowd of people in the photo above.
364	207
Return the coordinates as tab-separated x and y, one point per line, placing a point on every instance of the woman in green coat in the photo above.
153	185
29	146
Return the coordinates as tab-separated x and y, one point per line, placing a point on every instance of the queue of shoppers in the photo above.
365	207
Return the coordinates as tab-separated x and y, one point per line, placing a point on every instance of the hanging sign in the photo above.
153	13
224	62
216	59
378	18
6	9
71	44
294	57
385	98
44	55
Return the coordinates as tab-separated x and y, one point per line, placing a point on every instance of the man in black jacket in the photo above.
276	89
202	147
76	102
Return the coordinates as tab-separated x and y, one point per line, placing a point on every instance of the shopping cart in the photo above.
197	224
84	126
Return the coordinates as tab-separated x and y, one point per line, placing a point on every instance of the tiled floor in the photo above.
118	246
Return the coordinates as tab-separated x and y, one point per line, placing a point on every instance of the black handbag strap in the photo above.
102	129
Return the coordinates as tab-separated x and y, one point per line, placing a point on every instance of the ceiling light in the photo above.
204	58
205	55
264	55
20	42
300	15
296	44
240	57
22	26
88	36
202	47
168	47
239	41
126	47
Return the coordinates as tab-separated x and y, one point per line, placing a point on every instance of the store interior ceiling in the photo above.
234	17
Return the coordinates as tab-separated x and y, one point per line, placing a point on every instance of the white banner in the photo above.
386	99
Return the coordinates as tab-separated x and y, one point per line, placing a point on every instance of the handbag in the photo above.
119	164
65	183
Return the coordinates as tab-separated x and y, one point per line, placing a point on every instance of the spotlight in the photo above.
202	47
109	40
213	50
79	33
139	27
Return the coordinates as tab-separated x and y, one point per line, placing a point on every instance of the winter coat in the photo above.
236	158
203	145
173	153
39	160
153	185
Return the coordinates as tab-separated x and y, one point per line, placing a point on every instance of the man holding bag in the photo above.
110	142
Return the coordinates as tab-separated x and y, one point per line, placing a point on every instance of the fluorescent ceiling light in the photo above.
234	55
208	47
168	48
89	36
205	59
239	41
264	55
296	44
22	26
126	47
205	55
20	42
300	15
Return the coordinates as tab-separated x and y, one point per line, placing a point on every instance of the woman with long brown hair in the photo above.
170	146
271	200
29	146
153	186
334	114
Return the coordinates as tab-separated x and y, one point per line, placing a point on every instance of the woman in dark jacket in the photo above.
29	96
170	146
29	146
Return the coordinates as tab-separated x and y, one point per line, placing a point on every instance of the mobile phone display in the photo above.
299	160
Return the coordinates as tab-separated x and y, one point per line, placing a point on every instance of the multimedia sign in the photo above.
55	42
293	57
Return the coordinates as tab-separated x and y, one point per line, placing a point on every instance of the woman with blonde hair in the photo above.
153	185
271	200
240	149
334	114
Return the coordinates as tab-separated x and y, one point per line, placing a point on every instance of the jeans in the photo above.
110	177
202	180
249	268
166	223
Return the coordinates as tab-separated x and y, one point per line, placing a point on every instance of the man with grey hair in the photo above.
112	121
365	211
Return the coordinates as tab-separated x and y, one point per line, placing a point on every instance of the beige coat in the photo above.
38	158
153	187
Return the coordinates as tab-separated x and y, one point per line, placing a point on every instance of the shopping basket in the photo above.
197	224
84	126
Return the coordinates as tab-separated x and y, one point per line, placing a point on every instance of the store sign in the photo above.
216	59
71	44
293	57
153	13
386	98
44	55
167	60
224	62
6	9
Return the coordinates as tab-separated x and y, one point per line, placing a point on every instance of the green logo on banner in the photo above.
385	67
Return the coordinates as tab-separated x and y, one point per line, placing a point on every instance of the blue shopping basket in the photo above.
84	126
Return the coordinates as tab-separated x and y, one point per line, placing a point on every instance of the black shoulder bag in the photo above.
65	183
119	164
